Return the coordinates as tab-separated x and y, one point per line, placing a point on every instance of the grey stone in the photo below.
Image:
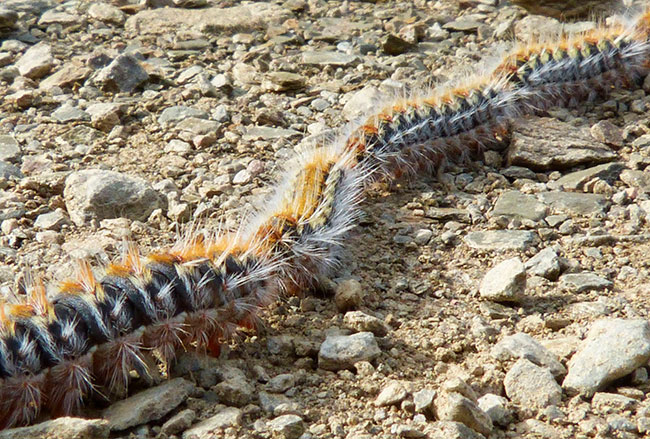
338	59
268	133
8	18
342	351
613	348
242	177
123	74
637	179
9	149
455	407
423	400
392	394
107	13
546	263
36	62
281	383
53	16
500	239
522	345
178	113
362	322
452	430
66	113
210	428
148	405
181	421
269	402
52	220
575	203
545	144
581	282
97	194
496	408
235	390
458	385
9	171
242	18
505	282
529	385
516	204
68	428
287	426
462	25
198	126
576	180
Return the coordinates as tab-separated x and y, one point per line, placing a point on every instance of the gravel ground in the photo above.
499	299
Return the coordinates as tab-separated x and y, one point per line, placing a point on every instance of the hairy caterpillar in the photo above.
142	310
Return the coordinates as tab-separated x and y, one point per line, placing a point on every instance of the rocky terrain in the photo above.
501	299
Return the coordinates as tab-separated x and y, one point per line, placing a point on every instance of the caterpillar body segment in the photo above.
99	329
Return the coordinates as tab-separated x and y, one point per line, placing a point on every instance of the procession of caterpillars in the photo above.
95	331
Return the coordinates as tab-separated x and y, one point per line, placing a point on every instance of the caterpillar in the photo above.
142	310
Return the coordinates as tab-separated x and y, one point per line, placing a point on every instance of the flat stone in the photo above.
462	25
281	383
581	282
613	348
575	203
500	239
66	113
69	74
505	282
516	204
9	149
331	58
547	144
268	133
287	426
106	13
148	405
66	427
546	263
178	113
394	45
283	81
243	18
392	394
606	402
123	74
362	322
98	194
637	179
339	352
36	62
269	402
213	426
455	407
529	385
51	220
522	345
55	17
576	180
